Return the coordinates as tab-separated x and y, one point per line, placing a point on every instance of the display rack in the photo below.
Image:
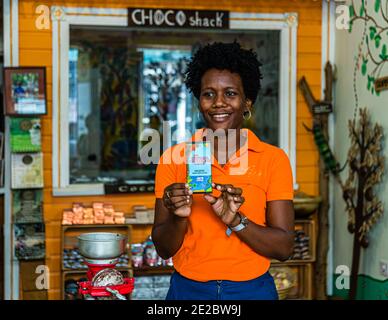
303	268
69	234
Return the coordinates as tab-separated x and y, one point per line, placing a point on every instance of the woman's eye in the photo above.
231	93
208	94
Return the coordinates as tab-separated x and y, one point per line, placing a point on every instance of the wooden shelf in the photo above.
303	269
152	270
70	271
89	226
292	262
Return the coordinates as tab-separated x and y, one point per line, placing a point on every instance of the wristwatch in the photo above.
242	225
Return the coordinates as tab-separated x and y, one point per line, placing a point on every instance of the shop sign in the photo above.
176	18
381	84
322	107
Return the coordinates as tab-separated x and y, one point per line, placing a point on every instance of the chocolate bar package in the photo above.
199	170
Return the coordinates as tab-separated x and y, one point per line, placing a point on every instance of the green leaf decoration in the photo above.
377	5
377	40
362	9
363	68
378	93
373	90
369	82
384	51
372	30
351	11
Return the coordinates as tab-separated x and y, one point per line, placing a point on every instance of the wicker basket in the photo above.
283	292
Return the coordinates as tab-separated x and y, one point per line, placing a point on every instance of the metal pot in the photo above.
101	245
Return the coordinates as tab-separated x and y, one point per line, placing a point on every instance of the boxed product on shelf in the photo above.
302	246
141	214
98	213
144	254
137	255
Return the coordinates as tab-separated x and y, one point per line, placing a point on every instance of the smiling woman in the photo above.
222	243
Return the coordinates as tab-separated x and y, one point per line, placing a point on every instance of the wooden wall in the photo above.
35	50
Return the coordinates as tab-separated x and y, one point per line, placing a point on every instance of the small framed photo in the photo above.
25	91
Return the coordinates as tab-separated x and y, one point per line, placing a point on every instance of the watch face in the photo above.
244	220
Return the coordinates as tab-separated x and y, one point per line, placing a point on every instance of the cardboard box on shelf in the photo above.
98	213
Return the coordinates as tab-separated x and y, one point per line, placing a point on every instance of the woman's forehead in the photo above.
215	77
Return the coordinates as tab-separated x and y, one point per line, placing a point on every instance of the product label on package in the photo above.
199	169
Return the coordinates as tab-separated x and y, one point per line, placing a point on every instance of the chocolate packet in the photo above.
199	170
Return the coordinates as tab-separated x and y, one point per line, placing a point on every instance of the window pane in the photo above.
123	82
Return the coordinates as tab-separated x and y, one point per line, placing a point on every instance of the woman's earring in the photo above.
247	114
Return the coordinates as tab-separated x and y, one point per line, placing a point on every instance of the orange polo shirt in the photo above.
207	253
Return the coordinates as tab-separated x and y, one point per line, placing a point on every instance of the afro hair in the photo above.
225	56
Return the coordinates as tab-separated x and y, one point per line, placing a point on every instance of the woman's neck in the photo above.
226	143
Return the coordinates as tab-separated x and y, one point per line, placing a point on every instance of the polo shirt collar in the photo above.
254	143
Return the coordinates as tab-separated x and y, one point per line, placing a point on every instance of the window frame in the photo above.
64	17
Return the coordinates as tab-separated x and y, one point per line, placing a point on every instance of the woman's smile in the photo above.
220	116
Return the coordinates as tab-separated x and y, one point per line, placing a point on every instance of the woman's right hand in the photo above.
178	198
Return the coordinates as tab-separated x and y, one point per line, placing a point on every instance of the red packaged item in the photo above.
137	252
150	254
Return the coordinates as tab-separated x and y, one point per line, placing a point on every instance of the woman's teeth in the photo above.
220	116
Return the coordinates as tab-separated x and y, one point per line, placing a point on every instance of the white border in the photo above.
328	54
11	58
118	17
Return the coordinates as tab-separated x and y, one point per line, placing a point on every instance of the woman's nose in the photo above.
219	101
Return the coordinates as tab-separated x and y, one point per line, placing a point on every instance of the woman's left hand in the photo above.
227	204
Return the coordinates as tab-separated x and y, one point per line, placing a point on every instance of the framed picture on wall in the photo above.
25	91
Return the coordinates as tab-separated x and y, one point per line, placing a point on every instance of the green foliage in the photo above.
377	5
377	40
363	67
362	8
371	81
372	31
383	55
351	11
373	40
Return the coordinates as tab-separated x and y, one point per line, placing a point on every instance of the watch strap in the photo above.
242	225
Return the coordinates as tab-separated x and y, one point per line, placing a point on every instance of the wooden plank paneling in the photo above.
307	174
307	158
309	188
38	57
305	142
35	40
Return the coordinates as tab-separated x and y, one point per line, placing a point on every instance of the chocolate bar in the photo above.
199	170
